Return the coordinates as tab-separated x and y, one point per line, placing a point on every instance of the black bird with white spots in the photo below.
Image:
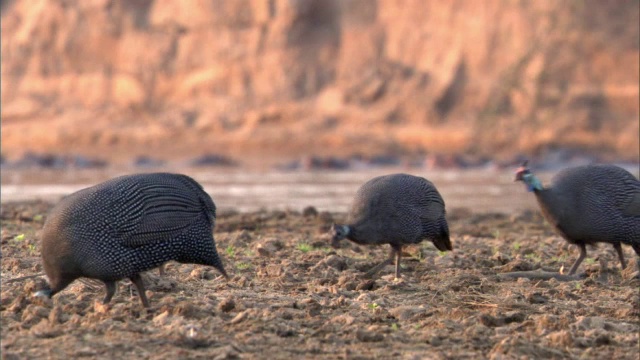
127	225
590	204
396	209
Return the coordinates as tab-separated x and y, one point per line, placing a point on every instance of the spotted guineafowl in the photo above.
127	225
590	204
397	209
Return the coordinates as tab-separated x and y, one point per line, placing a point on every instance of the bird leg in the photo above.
377	268
583	254
618	248
398	251
111	290
161	270
137	281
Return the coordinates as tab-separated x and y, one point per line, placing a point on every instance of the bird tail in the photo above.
442	241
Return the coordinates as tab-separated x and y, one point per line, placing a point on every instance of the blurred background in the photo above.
318	84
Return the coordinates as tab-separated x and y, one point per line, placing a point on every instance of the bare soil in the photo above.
291	296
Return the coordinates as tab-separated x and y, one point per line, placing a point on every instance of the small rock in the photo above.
18	304
561	338
326	217
227	304
368	336
366	285
186	310
44	330
478	331
335	261
57	315
161	319
308	304
285	332
309	211
537	298
344	319
239	317
405	312
589	323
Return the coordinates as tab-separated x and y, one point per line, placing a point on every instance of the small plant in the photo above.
32	249
533	257
395	327
373	306
249	253
243	266
578	286
442	253
38	218
19	238
590	261
230	251
516	246
304	247
496	234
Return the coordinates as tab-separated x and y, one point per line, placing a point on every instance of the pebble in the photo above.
368	336
227	304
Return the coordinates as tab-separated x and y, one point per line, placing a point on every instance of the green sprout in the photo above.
590	261
19	237
533	257
249	253
395	327
516	246
243	266
38	218
32	249
373	306
304	247
230	251
442	253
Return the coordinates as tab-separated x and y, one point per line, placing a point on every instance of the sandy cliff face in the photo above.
278	77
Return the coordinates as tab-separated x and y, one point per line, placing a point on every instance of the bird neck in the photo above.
532	183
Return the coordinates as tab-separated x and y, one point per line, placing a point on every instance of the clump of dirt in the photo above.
291	295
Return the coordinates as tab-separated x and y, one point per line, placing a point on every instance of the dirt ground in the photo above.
291	296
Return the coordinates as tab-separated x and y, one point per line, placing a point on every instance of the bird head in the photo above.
524	174
338	232
522	171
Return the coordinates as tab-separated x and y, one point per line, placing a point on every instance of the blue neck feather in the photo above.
532	183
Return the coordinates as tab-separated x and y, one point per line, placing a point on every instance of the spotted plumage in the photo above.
397	209
590	204
125	226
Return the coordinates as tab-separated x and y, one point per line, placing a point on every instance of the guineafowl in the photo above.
127	225
590	204
397	209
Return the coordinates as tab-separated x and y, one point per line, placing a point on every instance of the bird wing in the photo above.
433	211
633	207
152	213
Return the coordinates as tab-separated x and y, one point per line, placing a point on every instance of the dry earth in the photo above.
291	296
